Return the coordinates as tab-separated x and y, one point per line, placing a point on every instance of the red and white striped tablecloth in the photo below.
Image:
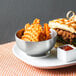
12	66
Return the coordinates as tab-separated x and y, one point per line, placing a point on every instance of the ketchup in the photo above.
66	48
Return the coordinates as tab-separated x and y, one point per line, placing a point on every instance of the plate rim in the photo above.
43	67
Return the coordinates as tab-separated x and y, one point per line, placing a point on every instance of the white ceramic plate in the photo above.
44	62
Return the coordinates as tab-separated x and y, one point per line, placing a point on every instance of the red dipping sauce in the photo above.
66	48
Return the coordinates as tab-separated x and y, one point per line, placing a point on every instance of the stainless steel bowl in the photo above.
36	48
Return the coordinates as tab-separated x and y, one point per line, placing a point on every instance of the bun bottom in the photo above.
58	44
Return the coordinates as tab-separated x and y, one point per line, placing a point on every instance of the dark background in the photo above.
15	13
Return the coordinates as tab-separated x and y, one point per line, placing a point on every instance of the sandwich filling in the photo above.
66	36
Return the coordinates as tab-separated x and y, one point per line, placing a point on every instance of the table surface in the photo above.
11	65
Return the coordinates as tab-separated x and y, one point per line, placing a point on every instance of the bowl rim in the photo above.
38	41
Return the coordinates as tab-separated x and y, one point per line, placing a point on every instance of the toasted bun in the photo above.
58	44
61	25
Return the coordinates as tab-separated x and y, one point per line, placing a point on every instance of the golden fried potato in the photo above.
35	32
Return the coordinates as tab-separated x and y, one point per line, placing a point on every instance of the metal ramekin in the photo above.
36	48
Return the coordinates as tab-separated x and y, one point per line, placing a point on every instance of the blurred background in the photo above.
15	13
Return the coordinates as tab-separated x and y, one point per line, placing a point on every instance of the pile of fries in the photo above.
35	32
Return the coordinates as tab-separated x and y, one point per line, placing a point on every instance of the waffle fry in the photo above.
27	26
35	32
36	21
47	31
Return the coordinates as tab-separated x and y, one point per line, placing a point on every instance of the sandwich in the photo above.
65	28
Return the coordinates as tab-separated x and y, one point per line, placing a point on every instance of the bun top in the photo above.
68	24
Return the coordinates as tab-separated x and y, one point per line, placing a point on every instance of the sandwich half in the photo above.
66	30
